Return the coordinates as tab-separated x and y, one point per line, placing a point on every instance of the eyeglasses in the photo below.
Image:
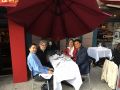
43	45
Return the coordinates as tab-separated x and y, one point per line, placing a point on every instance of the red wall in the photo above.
18	52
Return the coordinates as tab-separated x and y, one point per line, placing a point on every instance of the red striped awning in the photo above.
8	3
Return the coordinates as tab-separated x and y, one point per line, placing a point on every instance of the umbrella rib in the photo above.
76	16
63	23
52	24
64	26
89	9
39	14
51	28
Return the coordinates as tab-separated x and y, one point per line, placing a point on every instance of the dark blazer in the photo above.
116	56
42	56
83	61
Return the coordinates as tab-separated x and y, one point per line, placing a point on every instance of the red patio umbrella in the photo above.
57	19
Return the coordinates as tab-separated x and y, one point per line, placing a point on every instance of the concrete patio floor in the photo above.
96	84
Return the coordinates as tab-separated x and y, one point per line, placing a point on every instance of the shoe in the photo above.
44	87
83	79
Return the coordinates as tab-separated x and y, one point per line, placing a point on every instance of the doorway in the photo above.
5	54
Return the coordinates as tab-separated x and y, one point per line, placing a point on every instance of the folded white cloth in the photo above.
46	76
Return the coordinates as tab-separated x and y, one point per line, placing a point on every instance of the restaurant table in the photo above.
65	69
99	52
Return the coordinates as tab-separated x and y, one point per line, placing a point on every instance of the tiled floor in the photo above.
96	83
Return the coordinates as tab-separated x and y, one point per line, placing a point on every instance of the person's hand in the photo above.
50	72
51	69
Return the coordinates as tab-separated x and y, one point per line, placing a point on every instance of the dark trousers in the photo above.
40	78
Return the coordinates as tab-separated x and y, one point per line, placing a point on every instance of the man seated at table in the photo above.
82	58
35	65
42	53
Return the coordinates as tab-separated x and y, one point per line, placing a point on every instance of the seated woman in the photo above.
35	65
70	50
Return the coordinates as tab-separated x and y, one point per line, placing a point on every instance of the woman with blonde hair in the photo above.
70	50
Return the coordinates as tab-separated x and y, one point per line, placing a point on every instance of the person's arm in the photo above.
82	57
50	69
74	55
36	66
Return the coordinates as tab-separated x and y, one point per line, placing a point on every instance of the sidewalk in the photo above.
96	83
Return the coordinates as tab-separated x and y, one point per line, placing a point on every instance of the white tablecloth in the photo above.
99	52
66	70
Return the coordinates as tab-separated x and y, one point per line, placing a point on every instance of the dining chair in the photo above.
35	84
87	76
39	84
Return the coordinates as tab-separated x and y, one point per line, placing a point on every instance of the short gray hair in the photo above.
43	41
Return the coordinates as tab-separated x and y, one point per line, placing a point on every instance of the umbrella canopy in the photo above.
57	19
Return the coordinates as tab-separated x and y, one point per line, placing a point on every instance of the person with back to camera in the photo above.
70	50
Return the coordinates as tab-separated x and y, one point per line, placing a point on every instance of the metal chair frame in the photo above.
88	76
47	82
89	81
